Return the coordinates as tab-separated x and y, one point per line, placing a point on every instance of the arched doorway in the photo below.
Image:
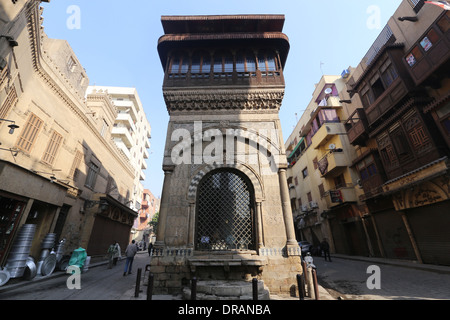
225	211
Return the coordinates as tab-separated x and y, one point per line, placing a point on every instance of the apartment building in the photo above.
323	188
142	231
130	132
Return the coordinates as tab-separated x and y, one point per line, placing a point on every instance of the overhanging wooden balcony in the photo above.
357	127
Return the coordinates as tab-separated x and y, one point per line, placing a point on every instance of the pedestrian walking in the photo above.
325	247
130	252
117	253
113	254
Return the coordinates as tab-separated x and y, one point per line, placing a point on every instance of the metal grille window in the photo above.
225	212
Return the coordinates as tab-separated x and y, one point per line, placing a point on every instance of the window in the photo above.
420	140
305	172
309	196
71	64
29	133
179	65
105	127
321	190
388	73
92	175
224	212
444	23
327	115
416	4
339	181
52	148
400	142
73	173
296	181
428	41
367	168
9	102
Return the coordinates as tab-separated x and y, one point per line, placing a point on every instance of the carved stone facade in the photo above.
224	145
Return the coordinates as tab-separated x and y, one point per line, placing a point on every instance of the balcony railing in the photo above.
224	78
340	196
331	162
357	127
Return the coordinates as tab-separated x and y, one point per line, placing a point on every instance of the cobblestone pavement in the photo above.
346	278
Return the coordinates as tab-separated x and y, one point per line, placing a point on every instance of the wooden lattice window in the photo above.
29	133
52	148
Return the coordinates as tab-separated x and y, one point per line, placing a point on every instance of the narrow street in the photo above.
347	279
98	283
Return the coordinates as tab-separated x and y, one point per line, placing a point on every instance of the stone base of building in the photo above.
173	269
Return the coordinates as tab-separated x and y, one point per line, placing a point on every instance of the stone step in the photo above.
227	290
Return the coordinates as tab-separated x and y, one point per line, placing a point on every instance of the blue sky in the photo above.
116	42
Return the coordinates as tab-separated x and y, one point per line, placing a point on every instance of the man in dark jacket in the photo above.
325	247
130	252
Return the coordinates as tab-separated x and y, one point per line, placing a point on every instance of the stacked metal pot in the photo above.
47	261
20	251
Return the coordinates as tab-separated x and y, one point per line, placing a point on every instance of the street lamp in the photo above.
12	43
12	126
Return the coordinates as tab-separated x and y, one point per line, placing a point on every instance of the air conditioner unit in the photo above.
304	208
345	73
313	204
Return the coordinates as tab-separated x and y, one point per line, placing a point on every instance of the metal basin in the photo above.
4	277
30	270
48	265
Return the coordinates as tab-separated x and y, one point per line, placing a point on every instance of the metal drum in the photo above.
49	241
30	269
20	250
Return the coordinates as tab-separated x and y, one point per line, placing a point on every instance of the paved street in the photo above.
344	278
347	278
98	283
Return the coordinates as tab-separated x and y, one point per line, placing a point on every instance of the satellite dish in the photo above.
328	90
332	146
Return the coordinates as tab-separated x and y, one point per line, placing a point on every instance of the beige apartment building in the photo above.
59	168
322	184
394	163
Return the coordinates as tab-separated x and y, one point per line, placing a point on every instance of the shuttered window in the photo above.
29	133
52	148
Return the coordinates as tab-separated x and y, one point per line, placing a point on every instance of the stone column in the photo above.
191	222
286	206
161	232
259	240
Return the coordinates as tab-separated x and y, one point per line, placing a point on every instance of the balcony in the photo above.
126	119
340	196
123	133
325	132
430	52
332	163
357	128
390	97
